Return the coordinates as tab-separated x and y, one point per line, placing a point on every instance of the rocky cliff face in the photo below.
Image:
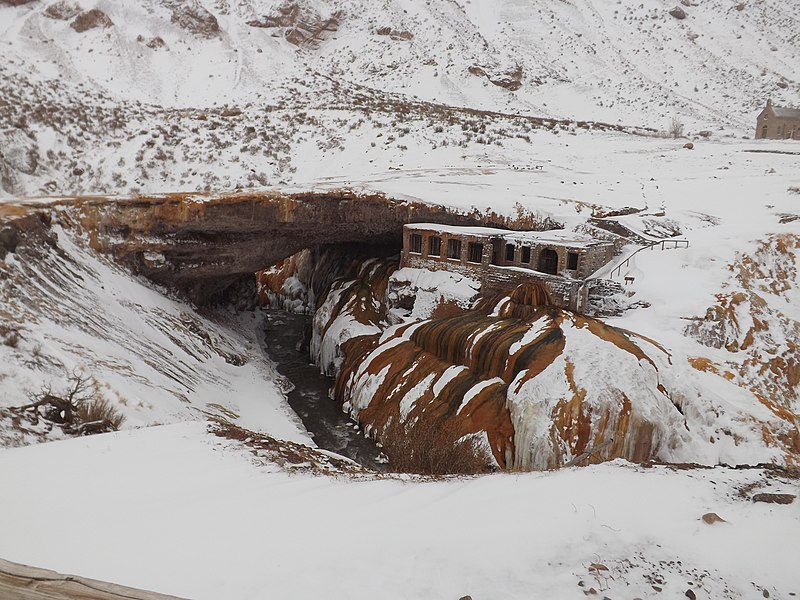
758	324
513	382
201	244
540	386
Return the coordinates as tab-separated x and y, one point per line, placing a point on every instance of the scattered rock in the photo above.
14	2
705	134
678	13
62	11
395	34
774	498
690	594
465	598
740	6
91	19
194	18
712	518
689	146
510	80
154	43
782	84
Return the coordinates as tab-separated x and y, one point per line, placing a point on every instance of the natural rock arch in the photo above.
201	244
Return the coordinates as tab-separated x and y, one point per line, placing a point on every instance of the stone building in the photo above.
776	123
502	259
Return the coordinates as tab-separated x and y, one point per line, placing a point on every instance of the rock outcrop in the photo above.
301	25
192	16
91	19
63	10
764	335
538	386
200	244
19	156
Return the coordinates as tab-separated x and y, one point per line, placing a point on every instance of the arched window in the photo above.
764	132
548	261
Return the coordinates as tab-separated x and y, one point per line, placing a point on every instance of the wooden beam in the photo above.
23	582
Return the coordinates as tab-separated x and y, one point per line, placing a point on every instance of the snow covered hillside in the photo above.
156	95
586	60
67	310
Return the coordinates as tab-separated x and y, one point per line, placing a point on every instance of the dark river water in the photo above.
285	341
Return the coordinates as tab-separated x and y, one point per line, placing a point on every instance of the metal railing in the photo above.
665	245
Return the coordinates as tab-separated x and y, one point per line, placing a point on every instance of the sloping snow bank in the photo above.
154	358
174	510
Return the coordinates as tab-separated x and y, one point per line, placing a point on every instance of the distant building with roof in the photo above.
778	123
502	259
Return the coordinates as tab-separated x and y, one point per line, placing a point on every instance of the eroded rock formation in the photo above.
200	244
540	385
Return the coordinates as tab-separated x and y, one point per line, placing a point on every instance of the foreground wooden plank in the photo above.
22	582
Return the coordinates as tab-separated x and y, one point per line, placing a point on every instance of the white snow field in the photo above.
175	510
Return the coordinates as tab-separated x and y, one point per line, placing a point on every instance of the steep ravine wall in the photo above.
517	382
199	244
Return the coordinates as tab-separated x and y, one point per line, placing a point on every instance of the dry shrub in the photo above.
12	339
99	409
432	447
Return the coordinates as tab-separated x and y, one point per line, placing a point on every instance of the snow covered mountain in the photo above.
152	95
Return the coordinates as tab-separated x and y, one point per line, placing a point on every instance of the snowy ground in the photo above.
176	510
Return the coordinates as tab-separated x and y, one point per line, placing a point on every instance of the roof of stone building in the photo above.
555	237
786	113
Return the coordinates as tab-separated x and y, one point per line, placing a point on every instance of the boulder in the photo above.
91	19
774	498
678	13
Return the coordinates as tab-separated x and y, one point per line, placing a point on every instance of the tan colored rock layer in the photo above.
200	244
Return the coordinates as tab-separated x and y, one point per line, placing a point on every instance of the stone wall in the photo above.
777	128
569	290
571	294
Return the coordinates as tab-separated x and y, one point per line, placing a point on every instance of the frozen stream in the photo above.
285	344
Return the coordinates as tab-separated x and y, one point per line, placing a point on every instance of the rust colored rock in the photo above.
505	371
15	2
774	498
91	19
689	146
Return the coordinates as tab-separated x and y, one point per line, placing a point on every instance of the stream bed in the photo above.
285	342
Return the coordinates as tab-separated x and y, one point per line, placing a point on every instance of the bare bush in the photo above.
432	447
12	339
676	127
82	409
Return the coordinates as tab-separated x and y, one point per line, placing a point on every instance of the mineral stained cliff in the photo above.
520	383
541	385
